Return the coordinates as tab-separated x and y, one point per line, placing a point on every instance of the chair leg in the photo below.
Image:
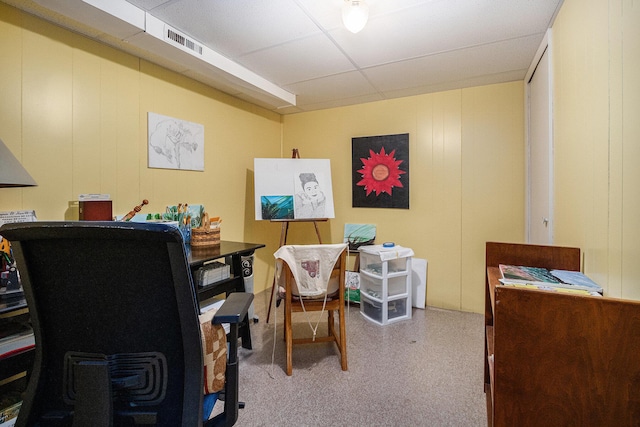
288	334
343	338
286	320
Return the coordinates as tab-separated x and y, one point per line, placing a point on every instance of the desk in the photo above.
232	252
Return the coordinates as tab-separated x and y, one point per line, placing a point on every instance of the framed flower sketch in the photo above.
175	143
380	171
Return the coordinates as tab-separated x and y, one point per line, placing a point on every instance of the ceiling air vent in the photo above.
180	39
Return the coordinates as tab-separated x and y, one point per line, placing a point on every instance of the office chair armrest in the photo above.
234	309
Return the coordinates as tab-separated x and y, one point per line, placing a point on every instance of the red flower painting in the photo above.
380	172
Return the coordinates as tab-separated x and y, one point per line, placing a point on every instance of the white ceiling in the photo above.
300	47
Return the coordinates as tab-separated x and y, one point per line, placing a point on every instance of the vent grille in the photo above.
184	41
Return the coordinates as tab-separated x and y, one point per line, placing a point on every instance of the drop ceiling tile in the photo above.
333	103
457	65
441	86
290	62
327	13
339	86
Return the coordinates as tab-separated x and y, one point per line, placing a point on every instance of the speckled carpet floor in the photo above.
427	371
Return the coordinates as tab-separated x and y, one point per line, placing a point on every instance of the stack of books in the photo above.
549	280
212	273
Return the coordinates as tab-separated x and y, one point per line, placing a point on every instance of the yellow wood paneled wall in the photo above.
74	111
467	179
596	55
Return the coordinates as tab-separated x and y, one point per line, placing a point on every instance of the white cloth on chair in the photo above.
311	266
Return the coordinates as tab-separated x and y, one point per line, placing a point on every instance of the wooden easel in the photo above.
285	230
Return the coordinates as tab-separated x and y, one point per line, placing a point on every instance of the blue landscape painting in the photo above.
277	207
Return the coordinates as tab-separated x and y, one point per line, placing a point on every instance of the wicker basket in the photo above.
205	237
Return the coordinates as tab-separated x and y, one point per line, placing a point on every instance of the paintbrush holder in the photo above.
205	236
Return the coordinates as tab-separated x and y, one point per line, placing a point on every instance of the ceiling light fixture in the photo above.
355	14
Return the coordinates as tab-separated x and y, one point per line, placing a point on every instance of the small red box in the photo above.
95	210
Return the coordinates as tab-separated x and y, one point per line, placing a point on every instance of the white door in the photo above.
540	152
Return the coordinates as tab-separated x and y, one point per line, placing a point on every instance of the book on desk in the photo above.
541	278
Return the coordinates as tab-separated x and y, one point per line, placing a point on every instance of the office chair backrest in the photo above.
114	314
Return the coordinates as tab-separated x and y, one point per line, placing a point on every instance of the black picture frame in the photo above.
380	171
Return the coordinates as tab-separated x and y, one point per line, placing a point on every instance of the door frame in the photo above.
545	45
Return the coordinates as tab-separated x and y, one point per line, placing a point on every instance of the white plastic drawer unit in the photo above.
385	283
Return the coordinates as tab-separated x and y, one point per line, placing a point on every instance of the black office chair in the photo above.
115	318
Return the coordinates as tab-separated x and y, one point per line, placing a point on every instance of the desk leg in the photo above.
283	240
245	331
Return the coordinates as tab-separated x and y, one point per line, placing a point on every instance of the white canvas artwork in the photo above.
175	143
293	189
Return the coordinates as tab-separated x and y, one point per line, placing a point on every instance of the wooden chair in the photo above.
331	300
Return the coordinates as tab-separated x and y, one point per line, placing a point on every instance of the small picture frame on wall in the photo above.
175	143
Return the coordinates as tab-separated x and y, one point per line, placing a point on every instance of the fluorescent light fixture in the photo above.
202	61
355	14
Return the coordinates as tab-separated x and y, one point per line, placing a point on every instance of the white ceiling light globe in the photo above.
355	14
